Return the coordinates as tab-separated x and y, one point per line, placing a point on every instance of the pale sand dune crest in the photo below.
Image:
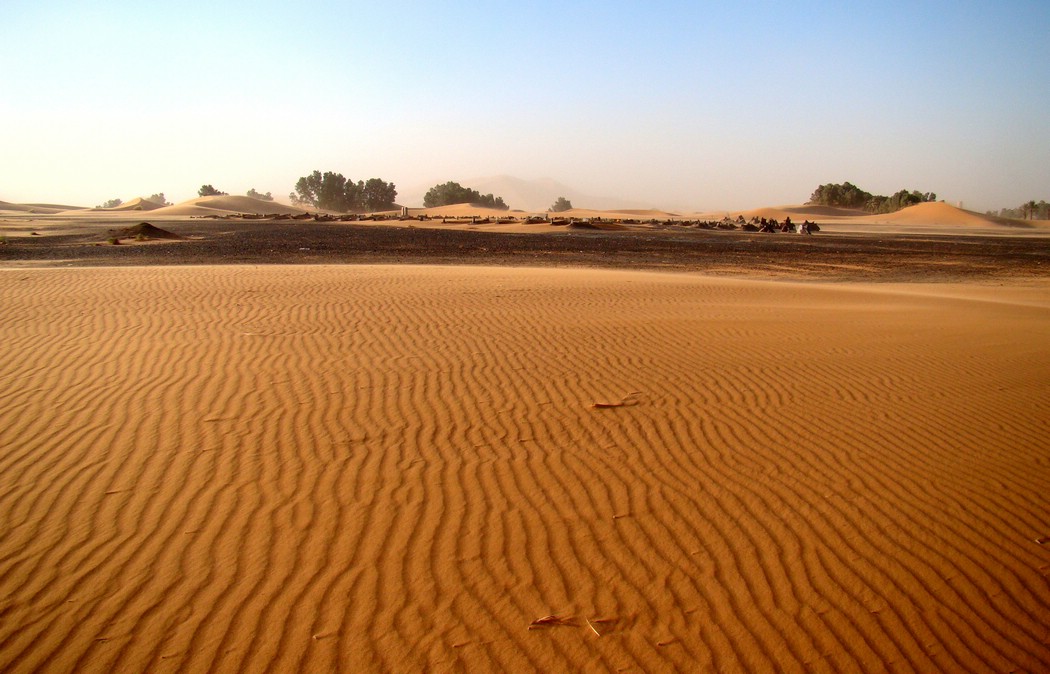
939	213
138	204
941	218
799	213
42	209
402	469
468	210
218	205
648	212
629	214
770	212
933	214
795	212
815	211
463	211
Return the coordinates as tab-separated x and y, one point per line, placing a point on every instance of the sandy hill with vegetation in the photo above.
219	205
940	213
137	204
464	211
528	195
928	217
925	216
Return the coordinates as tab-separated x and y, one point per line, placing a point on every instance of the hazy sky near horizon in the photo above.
698	105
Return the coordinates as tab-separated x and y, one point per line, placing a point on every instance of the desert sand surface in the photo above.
925	218
938	243
441	468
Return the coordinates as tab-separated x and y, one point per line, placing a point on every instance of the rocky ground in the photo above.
822	256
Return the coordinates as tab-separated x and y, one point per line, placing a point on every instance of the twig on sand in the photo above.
591	625
628	400
551	621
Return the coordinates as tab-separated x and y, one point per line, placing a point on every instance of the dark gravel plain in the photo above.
823	256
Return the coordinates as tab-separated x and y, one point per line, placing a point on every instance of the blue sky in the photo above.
675	104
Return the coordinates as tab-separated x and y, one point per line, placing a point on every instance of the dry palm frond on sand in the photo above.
552	621
626	401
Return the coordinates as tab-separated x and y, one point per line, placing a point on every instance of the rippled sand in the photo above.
403	468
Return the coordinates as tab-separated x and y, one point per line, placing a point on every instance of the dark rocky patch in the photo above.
144	230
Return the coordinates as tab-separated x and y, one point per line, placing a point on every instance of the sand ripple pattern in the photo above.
347	469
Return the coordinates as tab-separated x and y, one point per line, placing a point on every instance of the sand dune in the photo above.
218	205
14	208
463	211
928	218
813	211
937	213
402	469
43	209
467	210
625	214
193	207
136	204
771	212
799	213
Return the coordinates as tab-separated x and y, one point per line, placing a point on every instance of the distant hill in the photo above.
44	209
136	204
216	205
944	214
528	195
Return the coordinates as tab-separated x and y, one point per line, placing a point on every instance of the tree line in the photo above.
332	191
848	195
157	198
1030	210
453	193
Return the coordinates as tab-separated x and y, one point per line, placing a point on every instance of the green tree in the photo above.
489	201
848	195
209	191
1027	210
112	203
377	195
562	204
333	192
327	190
262	197
448	193
454	193
158	198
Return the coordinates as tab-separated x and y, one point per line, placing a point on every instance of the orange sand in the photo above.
315	469
927	218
